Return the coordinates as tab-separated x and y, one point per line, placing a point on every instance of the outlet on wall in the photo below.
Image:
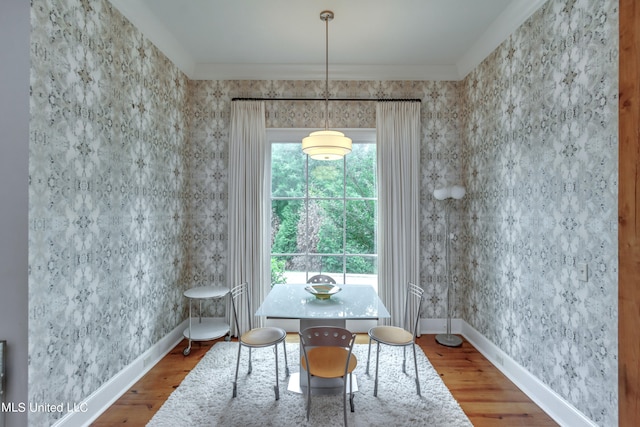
583	271
146	361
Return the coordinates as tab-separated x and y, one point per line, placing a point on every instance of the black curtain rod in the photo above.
330	99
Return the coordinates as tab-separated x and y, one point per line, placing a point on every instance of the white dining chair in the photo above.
327	353
321	278
255	337
400	336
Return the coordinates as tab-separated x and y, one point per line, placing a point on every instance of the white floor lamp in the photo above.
448	194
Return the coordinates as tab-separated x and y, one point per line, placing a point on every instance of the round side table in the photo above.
204	328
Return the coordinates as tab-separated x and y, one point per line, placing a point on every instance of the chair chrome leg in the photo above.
375	383
368	357
351	394
277	387
286	364
344	400
235	381
308	394
415	362
250	367
404	359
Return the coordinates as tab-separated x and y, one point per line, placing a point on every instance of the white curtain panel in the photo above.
398	148
247	159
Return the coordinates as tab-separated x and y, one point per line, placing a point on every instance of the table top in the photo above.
292	301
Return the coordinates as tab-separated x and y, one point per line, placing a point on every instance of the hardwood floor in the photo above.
484	393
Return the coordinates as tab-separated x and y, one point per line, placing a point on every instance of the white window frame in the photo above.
279	135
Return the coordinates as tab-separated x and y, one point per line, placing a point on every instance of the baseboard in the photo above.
438	326
100	400
548	400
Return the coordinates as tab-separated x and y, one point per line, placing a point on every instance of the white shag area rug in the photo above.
205	396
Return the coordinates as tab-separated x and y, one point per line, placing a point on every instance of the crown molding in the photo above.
315	72
505	24
145	21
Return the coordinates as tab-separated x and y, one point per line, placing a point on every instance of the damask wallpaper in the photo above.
541	165
128	193
107	237
210	103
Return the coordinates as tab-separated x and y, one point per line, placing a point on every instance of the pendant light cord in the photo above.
326	74
327	16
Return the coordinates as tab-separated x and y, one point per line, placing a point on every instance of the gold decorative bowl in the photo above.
323	291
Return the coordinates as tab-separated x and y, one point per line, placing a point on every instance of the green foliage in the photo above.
287	171
327	180
288	213
277	271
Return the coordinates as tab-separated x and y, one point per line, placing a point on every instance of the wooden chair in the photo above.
321	278
327	353
400	337
255	337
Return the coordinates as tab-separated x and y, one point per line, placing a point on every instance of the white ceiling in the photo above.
368	39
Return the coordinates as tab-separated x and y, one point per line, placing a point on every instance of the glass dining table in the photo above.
292	301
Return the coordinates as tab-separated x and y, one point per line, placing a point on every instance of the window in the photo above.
323	214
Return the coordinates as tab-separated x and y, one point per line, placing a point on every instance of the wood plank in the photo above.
493	415
629	216
484	393
138	405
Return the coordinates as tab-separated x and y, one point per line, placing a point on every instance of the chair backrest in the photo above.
327	336
321	278
239	294
318	336
413	306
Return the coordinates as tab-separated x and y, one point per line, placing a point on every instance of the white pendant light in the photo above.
326	144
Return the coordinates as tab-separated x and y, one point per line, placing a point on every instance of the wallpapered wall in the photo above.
128	202
541	163
107	217
210	101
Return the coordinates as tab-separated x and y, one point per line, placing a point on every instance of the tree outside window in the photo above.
323	215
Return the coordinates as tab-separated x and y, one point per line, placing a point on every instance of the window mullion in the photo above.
307	258
344	220
288	204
